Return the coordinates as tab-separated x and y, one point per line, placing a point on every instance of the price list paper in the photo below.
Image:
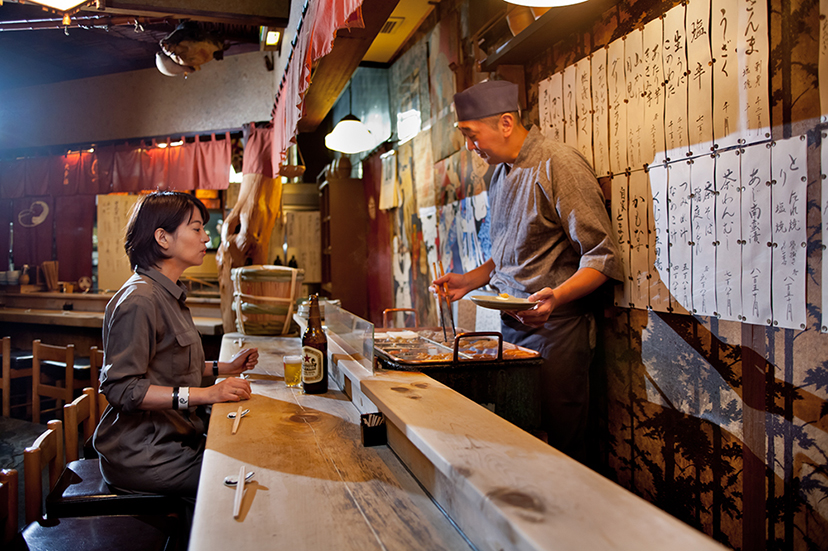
653	149
617	83
824	210
659	276
723	31
703	224
570	107
675	84
639	239
634	71
789	176
700	78
619	210
823	62
756	234
753	49
729	237
550	93
583	105
600	108
681	253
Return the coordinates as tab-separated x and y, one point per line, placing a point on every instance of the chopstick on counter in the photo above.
236	422
237	501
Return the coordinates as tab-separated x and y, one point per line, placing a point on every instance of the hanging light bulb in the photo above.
545	3
350	136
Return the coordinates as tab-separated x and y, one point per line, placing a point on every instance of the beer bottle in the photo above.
314	352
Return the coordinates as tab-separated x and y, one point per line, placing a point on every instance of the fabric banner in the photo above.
74	219
32	227
6	212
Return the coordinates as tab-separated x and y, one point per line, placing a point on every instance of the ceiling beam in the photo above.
333	71
274	13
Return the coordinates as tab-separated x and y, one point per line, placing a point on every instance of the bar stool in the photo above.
124	533
16	364
60	364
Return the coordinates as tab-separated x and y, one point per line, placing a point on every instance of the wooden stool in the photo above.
16	365
60	363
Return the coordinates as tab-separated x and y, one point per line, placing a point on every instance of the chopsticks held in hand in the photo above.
237	501
448	302
236	422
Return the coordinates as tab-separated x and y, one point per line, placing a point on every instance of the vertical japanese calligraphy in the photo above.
789	177
583	105
634	67
600	108
729	237
550	100
674	54
652	146
616	81
699	78
703	231
756	234
570	109
753	49
681	254
824	210
659	260
619	210
639	239
723	32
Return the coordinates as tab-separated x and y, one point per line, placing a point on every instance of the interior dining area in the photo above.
413	274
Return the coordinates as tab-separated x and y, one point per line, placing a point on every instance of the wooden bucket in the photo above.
264	299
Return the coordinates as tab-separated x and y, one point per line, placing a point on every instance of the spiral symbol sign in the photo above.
35	215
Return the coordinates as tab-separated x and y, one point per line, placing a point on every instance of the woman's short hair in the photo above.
161	209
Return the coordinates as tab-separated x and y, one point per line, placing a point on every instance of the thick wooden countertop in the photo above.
82	318
316	486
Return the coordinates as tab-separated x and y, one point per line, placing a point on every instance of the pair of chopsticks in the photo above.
443	296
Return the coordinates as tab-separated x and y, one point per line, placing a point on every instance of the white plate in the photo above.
498	303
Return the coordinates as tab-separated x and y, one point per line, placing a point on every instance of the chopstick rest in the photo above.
237	420
237	501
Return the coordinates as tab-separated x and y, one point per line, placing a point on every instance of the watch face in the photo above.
85	283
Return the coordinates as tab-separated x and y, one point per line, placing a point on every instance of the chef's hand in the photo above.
456	283
537	316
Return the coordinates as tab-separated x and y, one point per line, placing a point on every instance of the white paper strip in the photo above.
659	276
653	147
389	195
729	237
753	50
550	92
723	31
703	219
700	80
570	107
756	234
619	209
789	169
823	60
617	107
600	107
639	239
824	211
675	84
634	68
583	104
681	254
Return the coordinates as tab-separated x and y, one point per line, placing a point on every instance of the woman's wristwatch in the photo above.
215	368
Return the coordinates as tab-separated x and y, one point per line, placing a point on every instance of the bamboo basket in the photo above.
264	299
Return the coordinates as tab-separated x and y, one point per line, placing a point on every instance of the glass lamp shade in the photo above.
350	136
545	3
61	5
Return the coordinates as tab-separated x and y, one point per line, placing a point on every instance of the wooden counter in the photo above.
316	487
501	486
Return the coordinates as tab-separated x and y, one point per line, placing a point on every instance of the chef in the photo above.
551	243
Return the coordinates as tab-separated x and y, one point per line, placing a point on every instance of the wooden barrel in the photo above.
264	299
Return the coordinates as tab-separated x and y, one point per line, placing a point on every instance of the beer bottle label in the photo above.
312	365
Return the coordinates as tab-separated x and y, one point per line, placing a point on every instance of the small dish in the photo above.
501	303
232	414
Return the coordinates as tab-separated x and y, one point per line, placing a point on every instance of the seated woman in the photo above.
150	439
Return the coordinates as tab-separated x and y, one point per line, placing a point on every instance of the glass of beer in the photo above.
293	370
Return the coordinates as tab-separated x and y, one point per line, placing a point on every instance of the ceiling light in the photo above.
350	136
62	5
545	3
270	38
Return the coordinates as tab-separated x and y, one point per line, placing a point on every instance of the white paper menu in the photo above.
659	258
723	31
653	148
583	105
639	239
681	253
619	210
600	108
675	84
824	211
789	176
756	234
729	237
753	49
617	83
570	107
703	221
700	80
634	71
823	60
550	92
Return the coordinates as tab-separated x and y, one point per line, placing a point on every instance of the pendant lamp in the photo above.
350	136
545	3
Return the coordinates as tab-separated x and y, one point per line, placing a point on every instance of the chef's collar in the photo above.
533	137
177	290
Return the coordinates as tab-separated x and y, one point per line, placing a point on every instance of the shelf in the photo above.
545	31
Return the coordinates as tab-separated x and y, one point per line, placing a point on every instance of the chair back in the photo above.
96	360
8	505
5	349
46	451
81	410
47	352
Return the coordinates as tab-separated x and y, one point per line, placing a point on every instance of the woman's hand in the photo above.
232	389
244	360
